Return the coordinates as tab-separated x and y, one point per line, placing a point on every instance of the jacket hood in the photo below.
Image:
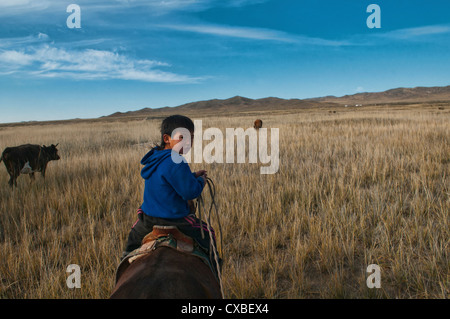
152	159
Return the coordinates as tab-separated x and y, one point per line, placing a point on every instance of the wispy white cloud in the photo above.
252	33
423	34
417	32
46	61
184	4
23	41
231	31
15	58
14	3
16	7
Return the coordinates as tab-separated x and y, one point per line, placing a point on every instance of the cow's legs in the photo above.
43	169
11	181
12	171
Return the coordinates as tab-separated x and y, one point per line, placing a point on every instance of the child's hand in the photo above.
200	173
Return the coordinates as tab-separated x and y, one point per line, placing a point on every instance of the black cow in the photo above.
28	159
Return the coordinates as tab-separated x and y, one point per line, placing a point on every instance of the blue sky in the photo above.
131	54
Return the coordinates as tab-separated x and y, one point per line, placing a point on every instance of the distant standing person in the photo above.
258	124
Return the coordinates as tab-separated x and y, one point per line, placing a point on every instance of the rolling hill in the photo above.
399	95
242	104
235	104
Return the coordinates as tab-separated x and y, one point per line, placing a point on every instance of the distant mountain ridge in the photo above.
417	94
243	104
234	104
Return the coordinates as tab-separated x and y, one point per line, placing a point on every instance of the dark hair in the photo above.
169	124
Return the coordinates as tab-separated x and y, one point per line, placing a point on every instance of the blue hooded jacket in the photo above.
168	185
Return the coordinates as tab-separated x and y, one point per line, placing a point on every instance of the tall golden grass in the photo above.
354	188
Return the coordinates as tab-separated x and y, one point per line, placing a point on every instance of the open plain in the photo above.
355	186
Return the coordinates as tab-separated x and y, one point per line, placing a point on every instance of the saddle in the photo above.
164	236
168	236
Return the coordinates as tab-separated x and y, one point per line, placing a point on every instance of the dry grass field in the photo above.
356	187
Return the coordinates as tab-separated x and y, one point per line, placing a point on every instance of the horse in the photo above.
163	272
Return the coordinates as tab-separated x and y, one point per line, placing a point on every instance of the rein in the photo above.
213	248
